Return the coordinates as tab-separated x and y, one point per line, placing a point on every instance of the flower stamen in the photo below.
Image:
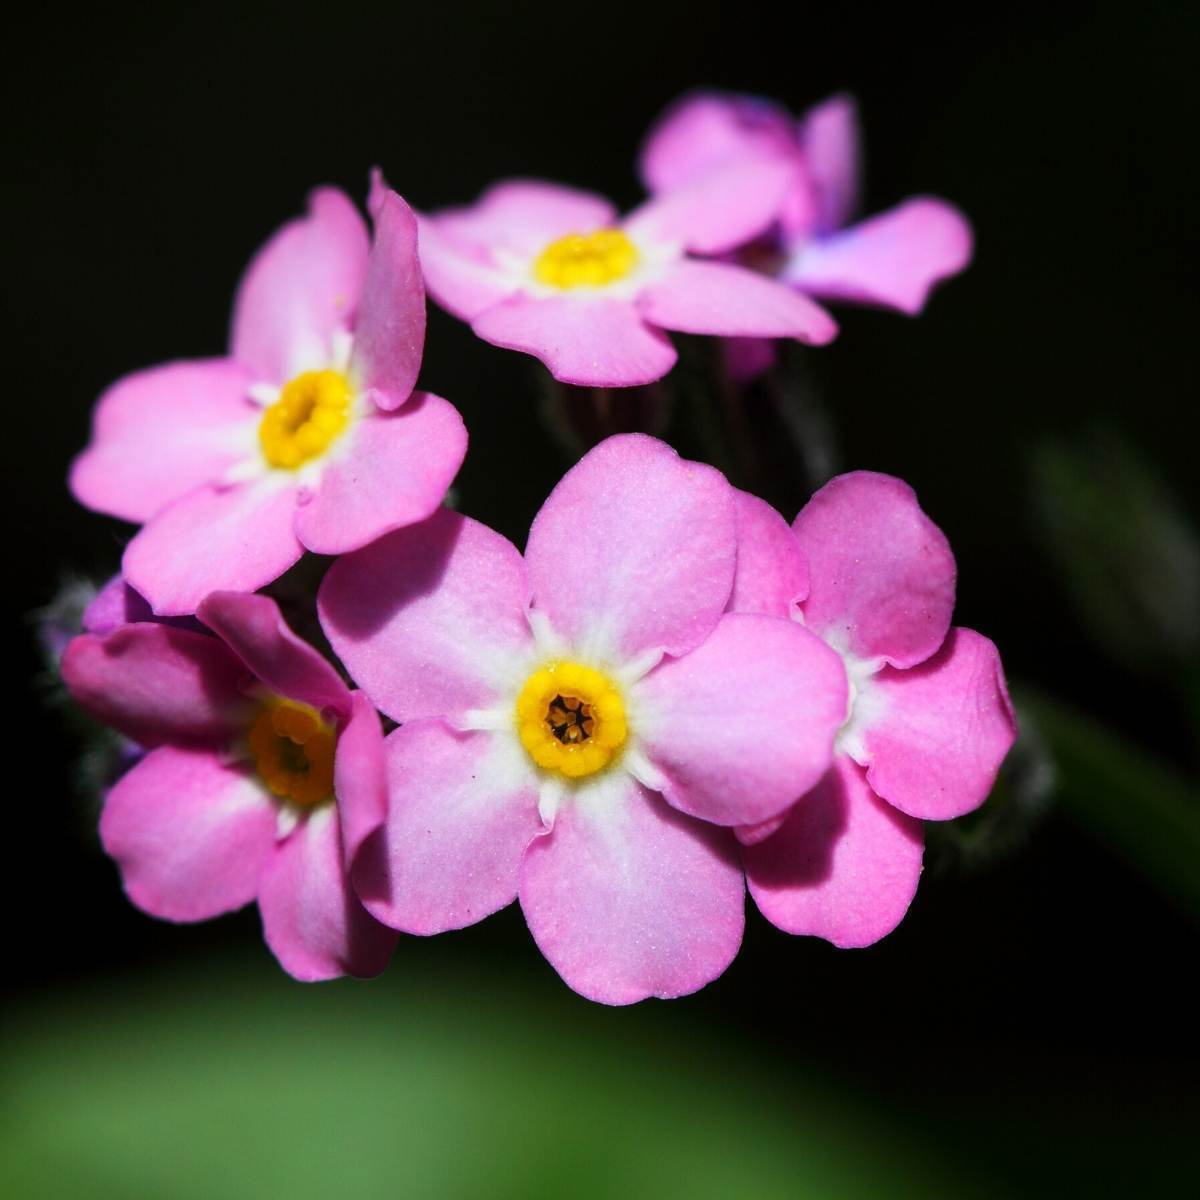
571	719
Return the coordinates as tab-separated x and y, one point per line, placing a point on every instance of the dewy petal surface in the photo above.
723	298
892	260
587	341
395	472
830	142
881	572
745	723
236	539
772	574
944	730
844	866
462	809
300	288
524	215
159	433
634	550
430	620
189	833
254	628
157	684
311	918
628	898
389	335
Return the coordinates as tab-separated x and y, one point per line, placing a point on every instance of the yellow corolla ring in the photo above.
571	719
312	411
586	259
293	749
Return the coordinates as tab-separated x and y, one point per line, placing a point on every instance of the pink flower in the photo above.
555	273
582	725
892	260
264	777
928	721
307	436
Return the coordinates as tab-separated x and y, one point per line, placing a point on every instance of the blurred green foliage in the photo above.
1129	558
247	1085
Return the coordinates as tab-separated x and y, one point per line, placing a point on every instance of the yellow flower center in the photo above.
586	259
293	752
312	410
571	719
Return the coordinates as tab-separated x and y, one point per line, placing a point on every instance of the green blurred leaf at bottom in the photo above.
210	1087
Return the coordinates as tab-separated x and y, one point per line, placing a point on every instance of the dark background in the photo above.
1032	1023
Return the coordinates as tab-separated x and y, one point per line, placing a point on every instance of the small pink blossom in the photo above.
554	272
928	721
581	726
194	826
235	466
892	260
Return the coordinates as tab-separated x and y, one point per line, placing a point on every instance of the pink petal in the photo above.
157	684
213	539
254	628
312	920
524	216
360	777
725	208
588	341
892	260
829	139
430	620
389	334
159	433
945	728
844	866
462	279
114	605
190	833
300	288
751	835
722	298
707	130
395	472
772	574
462	808
748	358
745	723
634	550
882	574
628	898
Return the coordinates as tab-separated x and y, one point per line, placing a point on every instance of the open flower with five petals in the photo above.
928	721
555	272
583	724
307	436
263	777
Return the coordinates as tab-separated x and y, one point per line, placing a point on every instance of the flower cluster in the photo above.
669	694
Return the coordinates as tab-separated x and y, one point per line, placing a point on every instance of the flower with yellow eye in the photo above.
307	436
928	721
263	778
582	725
556	273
